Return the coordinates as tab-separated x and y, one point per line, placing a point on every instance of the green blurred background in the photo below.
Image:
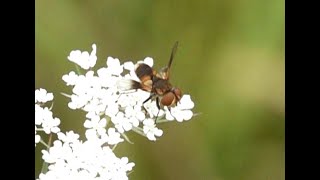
230	59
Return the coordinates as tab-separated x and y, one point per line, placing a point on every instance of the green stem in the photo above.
162	121
139	130
66	95
51	106
126	138
44	168
129	172
78	70
42	142
114	147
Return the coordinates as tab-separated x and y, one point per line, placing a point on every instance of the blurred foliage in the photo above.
230	59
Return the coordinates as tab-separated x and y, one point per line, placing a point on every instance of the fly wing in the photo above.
128	84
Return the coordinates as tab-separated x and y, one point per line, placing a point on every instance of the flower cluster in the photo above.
70	158
111	109
44	120
101	95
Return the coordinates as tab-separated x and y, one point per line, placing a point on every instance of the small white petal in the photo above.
169	116
141	116
112	62
49	97
74	55
84	59
179	117
55	129
151	136
42	96
148	122
68	137
187	115
186	102
37	138
148	61
129	66
93	57
127	126
91	134
87	124
103	122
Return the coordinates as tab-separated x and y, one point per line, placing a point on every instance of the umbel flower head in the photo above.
111	111
70	158
100	94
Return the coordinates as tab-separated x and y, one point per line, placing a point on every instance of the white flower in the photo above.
37	138
148	61
186	102
113	137
153	110
78	101
114	66
96	124
51	125
42	96
70	79
84	59
106	78
55	152
44	120
112	108
128	66
121	122
84	160
39	114
150	129
135	113
69	137
125	100
182	111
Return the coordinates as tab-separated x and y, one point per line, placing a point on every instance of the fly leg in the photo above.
151	95
169	108
158	106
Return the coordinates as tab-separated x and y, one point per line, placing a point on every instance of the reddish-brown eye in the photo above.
168	99
178	93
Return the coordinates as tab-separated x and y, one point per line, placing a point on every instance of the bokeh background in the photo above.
230	59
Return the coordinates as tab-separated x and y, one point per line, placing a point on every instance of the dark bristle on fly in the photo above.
135	85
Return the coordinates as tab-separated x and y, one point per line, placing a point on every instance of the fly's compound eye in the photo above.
168	99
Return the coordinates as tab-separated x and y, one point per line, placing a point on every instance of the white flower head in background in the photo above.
122	96
70	158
